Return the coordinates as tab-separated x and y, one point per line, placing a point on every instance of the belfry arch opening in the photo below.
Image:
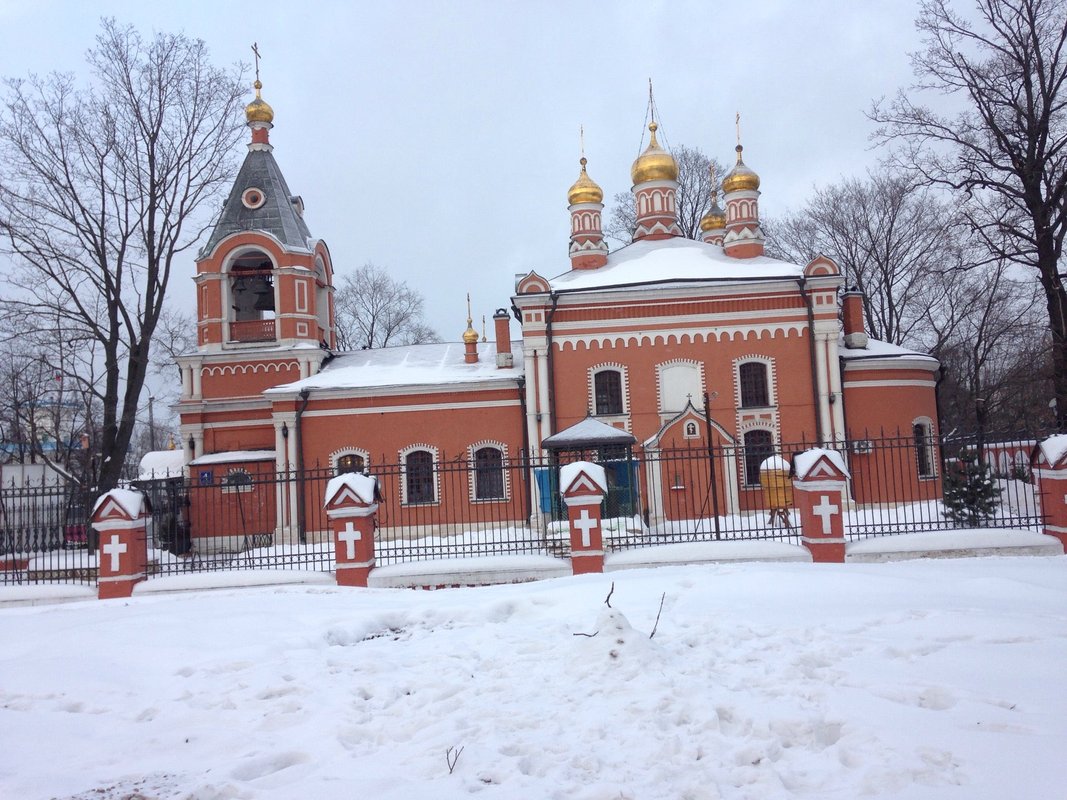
252	301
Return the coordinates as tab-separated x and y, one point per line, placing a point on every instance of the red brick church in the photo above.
614	347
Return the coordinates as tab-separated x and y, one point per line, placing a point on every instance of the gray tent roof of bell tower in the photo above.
277	216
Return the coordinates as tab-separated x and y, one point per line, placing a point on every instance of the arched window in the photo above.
680	384
759	446
488	474
419	481
350	462
922	436
607	392
252	287
237	480
752	377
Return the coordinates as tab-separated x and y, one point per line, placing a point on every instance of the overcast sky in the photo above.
438	140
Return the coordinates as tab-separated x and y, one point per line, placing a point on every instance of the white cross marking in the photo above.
115	548
585	523
825	509
350	536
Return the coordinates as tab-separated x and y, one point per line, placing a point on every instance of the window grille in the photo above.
607	391
753	380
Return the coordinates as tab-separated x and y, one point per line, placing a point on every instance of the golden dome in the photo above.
470	336
585	189
740	178
655	164
714	220
258	110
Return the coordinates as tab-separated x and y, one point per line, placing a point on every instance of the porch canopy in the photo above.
591	436
596	441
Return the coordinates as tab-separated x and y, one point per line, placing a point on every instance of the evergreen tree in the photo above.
971	497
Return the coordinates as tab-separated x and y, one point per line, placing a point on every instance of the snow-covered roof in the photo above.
130	501
809	458
1054	448
159	464
678	259
410	365
876	349
569	472
587	433
232	456
362	486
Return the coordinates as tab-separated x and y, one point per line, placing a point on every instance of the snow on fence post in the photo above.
120	517
1049	466
819	484
583	486
351	505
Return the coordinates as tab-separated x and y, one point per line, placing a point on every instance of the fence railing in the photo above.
460	509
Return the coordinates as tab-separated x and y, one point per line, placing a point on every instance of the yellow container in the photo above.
777	487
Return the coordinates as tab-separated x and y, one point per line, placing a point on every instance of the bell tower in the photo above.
264	299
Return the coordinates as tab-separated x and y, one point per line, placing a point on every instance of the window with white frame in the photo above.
923	439
488	468
420	485
759	446
607	392
237	480
680	384
753	384
350	462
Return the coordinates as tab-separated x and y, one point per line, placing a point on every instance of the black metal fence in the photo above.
461	509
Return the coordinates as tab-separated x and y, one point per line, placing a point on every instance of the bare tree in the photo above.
995	352
1007	149
100	190
894	240
42	420
374	309
693	197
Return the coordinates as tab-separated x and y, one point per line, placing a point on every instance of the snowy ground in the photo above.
918	679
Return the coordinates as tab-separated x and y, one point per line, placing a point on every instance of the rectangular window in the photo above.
488	474
923	461
753	379
607	392
418	477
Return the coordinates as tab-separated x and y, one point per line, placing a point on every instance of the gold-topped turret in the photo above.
740	178
585	189
715	219
470	336
655	164
258	110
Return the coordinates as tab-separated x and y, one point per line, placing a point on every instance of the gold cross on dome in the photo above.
255	50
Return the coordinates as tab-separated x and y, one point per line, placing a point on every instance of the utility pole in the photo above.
151	423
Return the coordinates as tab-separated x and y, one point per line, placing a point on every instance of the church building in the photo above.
664	344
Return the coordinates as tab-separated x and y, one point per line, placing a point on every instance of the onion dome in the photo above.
258	110
470	336
585	189
714	220
740	178
655	164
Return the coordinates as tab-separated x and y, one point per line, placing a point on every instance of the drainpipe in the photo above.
549	363
521	382
802	284
305	396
